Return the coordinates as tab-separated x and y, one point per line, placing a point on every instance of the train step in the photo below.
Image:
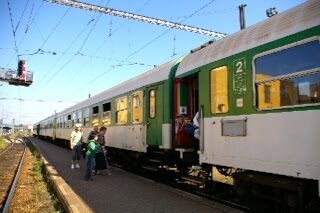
159	152
194	179
154	160
151	168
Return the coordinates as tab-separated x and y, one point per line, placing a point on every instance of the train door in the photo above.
154	115
54	126
185	107
38	130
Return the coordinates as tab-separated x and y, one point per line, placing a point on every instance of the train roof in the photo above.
157	74
299	18
51	117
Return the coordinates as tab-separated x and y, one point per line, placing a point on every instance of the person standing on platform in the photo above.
84	145
95	131
76	146
90	159
101	163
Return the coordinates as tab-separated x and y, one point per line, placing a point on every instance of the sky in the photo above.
75	52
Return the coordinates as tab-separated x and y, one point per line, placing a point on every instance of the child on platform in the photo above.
91	151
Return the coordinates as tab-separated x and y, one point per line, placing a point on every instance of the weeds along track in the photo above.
10	163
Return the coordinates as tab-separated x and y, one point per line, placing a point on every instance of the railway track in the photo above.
7	148
11	160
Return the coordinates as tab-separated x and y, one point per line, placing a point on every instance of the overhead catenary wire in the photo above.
33	20
149	43
48	37
29	19
68	47
95	20
111	33
165	32
17	26
41	52
205	13
54	28
137	17
13	31
174	45
37	100
37	28
26	31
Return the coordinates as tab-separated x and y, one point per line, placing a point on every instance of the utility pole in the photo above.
137	17
242	16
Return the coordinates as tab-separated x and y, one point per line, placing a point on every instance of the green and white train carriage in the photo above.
257	92
136	112
259	96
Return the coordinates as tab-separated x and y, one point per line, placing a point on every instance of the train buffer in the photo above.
11	76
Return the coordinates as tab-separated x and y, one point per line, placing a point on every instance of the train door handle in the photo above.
148	124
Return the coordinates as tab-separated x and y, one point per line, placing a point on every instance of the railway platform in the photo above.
119	192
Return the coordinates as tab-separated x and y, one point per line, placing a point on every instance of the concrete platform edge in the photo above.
70	200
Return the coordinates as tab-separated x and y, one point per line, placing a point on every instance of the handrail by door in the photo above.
201	130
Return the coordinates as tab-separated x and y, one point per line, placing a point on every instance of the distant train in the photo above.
258	97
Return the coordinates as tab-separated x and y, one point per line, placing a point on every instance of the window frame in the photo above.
282	77
155	104
140	106
73	119
228	90
103	113
79	117
125	109
86	118
65	121
95	115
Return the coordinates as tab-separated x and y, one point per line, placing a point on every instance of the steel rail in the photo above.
7	148
16	177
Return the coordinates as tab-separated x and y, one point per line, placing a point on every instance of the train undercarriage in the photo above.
250	190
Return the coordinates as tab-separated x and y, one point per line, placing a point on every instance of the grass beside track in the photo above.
35	183
3	143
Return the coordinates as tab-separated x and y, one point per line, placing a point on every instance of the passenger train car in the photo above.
257	93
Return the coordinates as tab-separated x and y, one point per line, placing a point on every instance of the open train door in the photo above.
182	112
154	115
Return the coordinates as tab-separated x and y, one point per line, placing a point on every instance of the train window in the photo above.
122	112
288	77
152	103
106	114
58	122
74	119
219	90
65	118
79	120
86	117
95	115
69	121
183	98
137	108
